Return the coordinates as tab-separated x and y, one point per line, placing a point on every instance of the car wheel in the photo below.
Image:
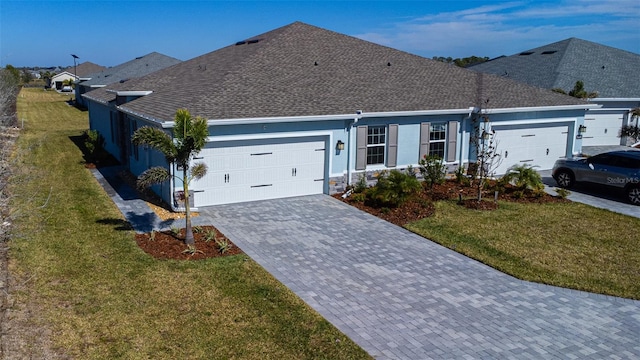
565	179
633	194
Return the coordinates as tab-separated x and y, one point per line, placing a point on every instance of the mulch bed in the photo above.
165	245
421	205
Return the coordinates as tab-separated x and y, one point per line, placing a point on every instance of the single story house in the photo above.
137	67
302	110
611	73
58	80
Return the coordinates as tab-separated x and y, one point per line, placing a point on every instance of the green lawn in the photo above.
570	245
103	298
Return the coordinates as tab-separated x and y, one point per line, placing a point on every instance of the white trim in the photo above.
275	135
604	109
130	92
541	108
530	122
336	117
613	99
97	86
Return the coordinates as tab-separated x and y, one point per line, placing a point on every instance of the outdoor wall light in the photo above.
582	129
339	145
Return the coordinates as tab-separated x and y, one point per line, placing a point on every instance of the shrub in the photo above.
562	193
393	189
93	142
432	169
461	177
523	177
361	185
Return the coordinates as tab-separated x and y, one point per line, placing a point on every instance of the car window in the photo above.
603	159
627	162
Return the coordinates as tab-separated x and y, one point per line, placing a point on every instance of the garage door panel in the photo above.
539	146
602	129
260	170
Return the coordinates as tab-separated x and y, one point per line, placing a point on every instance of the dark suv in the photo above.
616	169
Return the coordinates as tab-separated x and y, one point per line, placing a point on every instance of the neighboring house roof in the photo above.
303	70
63	75
611	72
137	67
85	69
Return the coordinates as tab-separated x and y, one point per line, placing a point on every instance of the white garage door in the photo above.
251	170
538	145
602	129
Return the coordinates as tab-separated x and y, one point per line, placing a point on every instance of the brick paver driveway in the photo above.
400	296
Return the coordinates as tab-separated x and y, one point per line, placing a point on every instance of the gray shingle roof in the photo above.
84	68
300	70
137	67
611	72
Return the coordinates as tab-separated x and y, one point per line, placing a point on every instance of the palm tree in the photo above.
189	137
523	177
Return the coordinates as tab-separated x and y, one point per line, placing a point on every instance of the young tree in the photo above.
189	137
485	143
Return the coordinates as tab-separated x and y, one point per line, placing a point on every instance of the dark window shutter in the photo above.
361	147
392	146
452	137
424	139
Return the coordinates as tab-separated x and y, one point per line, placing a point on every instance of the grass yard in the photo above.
102	297
565	244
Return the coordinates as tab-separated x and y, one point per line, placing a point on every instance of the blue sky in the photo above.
45	33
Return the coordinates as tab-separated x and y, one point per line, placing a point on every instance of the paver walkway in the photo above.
400	296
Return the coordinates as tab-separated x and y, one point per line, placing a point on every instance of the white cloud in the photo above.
508	28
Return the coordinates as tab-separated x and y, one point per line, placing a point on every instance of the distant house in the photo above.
58	80
612	73
302	110
84	69
137	67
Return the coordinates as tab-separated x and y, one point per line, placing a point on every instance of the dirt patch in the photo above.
209	243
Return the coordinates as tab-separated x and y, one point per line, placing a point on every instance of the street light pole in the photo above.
75	67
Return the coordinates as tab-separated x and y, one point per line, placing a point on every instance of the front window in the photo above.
437	139
376	139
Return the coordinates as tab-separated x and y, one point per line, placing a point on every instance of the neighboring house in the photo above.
612	73
58	80
302	110
137	67
73	73
84	69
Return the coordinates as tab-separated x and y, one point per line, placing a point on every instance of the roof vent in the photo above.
241	43
315	63
253	41
139	57
524	53
388	64
549	52
123	81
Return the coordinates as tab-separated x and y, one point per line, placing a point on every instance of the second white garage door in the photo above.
538	145
602	129
252	170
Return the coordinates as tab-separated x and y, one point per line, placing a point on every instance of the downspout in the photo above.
350	146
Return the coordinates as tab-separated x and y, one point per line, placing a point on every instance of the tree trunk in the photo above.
188	237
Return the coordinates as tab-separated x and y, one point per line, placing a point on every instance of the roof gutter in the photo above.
130	92
612	99
540	108
359	115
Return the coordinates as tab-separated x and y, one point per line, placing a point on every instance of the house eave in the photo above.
335	117
613	99
541	108
131	92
